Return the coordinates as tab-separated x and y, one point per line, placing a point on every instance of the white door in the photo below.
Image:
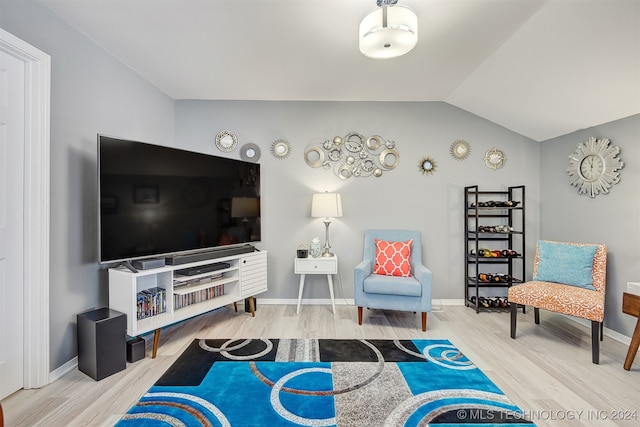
12	125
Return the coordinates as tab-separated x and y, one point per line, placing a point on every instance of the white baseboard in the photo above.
436	303
64	369
617	336
439	304
294	301
606	331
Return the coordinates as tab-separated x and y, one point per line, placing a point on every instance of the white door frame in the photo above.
36	207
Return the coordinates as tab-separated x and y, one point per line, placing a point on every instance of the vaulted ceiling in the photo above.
540	68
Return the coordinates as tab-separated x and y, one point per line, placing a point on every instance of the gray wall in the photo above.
91	93
400	198
613	219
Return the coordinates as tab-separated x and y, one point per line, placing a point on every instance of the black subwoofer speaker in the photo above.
101	342
135	349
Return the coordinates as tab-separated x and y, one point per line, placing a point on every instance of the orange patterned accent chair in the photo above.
548	292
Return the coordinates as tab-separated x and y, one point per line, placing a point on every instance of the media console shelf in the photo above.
159	297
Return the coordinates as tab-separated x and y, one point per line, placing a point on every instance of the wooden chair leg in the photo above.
359	315
536	315
602	331
424	321
514	317
595	342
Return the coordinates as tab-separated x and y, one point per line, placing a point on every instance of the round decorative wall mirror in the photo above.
389	158
374	142
250	152
427	166
494	159
460	149
226	141
344	172
354	142
314	157
280	149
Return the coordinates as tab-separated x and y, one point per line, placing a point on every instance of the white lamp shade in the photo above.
244	207
328	205
394	36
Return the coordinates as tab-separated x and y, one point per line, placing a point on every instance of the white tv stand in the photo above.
187	296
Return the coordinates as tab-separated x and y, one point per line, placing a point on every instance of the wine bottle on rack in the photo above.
485	277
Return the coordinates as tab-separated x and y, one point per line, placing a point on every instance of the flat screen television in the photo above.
160	201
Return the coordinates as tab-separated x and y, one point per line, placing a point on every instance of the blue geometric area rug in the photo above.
318	382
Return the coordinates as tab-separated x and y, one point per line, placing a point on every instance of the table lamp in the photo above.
327	205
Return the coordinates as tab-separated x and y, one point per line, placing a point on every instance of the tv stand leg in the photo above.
156	341
252	307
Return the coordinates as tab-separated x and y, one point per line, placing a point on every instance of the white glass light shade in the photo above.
326	205
388	32
244	207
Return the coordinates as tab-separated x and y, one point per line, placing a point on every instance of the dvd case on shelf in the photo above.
151	302
180	301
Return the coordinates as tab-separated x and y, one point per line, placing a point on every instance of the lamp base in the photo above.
326	250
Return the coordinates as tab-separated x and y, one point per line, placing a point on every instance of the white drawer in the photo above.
316	266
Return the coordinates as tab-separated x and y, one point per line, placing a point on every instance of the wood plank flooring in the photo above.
546	371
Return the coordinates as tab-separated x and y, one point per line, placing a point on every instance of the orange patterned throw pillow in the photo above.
393	258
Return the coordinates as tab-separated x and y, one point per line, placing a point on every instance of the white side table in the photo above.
319	265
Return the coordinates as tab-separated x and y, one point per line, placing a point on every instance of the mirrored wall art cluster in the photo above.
354	155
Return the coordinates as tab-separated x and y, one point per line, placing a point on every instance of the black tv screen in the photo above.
157	201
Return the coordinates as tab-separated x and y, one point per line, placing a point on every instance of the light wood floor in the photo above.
546	371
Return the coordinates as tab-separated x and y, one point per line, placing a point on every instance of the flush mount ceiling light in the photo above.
389	31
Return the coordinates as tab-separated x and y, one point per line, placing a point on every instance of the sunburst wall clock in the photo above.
593	166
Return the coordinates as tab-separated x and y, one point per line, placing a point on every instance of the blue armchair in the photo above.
392	292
